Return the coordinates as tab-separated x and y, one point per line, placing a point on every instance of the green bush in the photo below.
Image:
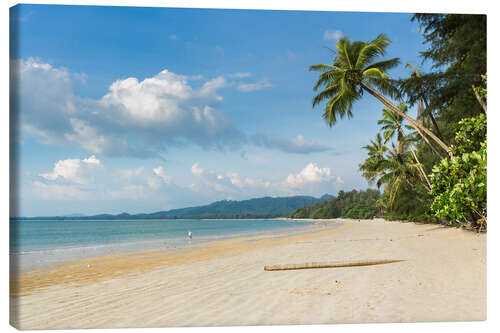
459	182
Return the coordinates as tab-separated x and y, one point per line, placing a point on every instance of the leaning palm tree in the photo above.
392	125
354	72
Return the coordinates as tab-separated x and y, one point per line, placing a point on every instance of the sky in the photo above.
130	109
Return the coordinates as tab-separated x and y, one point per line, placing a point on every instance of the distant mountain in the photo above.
266	207
74	215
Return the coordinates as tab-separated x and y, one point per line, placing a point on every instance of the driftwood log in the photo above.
328	265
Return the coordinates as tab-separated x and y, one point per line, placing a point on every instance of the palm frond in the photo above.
375	73
329	92
343	58
384	65
371	50
321	67
340	105
329	77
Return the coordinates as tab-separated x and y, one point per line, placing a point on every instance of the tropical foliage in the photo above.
354	72
459	182
431	168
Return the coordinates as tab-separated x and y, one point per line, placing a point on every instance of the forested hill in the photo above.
266	207
353	204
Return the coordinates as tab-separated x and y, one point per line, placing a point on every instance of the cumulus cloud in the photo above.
134	118
72	170
137	118
334	35
312	180
92	160
216	185
297	145
196	170
88	180
247	87
310	174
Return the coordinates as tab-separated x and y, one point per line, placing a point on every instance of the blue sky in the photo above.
145	109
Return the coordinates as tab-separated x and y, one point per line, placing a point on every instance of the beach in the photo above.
442	277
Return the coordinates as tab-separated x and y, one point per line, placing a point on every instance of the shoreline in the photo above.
74	267
47	257
223	282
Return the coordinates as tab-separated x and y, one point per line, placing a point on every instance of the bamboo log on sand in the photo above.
328	265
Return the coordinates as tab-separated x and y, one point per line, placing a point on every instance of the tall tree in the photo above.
353	72
415	88
457	49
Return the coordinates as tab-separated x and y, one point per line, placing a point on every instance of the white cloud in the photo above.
161	174
72	170
92	160
210	87
246	87
134	118
234	178
130	174
173	37
310	174
334	35
311	180
196	170
88	180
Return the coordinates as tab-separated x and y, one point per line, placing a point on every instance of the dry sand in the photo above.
224	283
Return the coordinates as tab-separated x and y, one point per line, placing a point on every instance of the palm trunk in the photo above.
428	143
412	121
434	123
479	99
420	168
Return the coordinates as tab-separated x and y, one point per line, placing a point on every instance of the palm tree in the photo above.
354	72
371	166
377	148
397	171
392	124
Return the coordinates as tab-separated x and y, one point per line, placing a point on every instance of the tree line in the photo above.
353	204
431	167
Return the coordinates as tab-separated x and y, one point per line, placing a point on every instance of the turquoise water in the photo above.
37	243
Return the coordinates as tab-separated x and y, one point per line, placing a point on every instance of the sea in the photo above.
42	243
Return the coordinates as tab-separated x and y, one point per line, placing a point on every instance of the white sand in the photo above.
442	279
